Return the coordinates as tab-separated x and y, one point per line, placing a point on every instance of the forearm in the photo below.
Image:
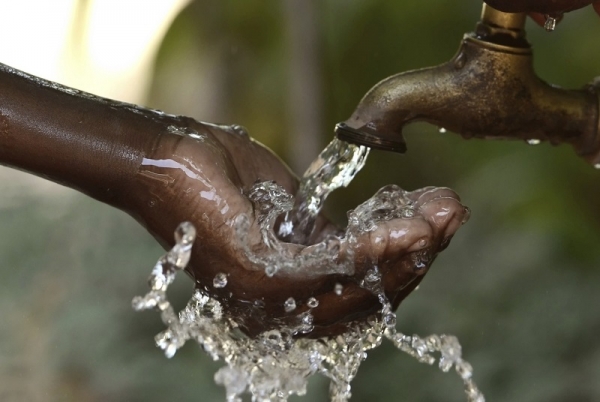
91	144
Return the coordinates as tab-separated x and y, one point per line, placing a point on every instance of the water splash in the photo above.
335	167
312	303
289	305
220	280
421	349
276	364
270	201
390	202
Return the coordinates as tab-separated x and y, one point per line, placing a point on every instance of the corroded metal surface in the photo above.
487	90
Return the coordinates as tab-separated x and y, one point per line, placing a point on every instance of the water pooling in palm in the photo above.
278	362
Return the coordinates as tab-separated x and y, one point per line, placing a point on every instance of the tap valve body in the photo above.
487	90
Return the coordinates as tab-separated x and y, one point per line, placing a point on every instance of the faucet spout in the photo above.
487	90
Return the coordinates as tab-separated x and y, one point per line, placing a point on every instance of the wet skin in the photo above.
209	180
163	170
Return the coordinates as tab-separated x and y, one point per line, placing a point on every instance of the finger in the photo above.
445	215
400	236
433	193
438	215
414	195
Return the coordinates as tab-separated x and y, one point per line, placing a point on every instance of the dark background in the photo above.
519	285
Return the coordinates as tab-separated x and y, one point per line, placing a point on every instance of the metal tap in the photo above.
487	90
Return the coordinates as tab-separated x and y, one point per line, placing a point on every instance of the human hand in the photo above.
204	177
164	170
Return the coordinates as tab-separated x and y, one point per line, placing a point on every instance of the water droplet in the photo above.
442	130
185	233
240	130
419	345
419	265
464	369
338	289
289	305
460	61
196	136
372	276
550	23
421	260
271	270
186	131
433	343
176	130
286	228
306	318
467	215
163	305
220	280
305	324
157	282
408	213
533	141
312	302
389	320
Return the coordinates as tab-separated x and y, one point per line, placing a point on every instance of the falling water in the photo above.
335	167
276	363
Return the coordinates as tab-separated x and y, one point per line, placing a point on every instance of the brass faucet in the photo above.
487	90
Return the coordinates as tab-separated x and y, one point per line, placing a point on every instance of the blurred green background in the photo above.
519	285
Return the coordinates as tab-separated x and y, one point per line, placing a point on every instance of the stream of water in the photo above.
277	364
335	167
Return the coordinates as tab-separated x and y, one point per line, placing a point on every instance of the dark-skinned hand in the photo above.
213	171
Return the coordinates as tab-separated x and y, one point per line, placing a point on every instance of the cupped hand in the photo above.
209	170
